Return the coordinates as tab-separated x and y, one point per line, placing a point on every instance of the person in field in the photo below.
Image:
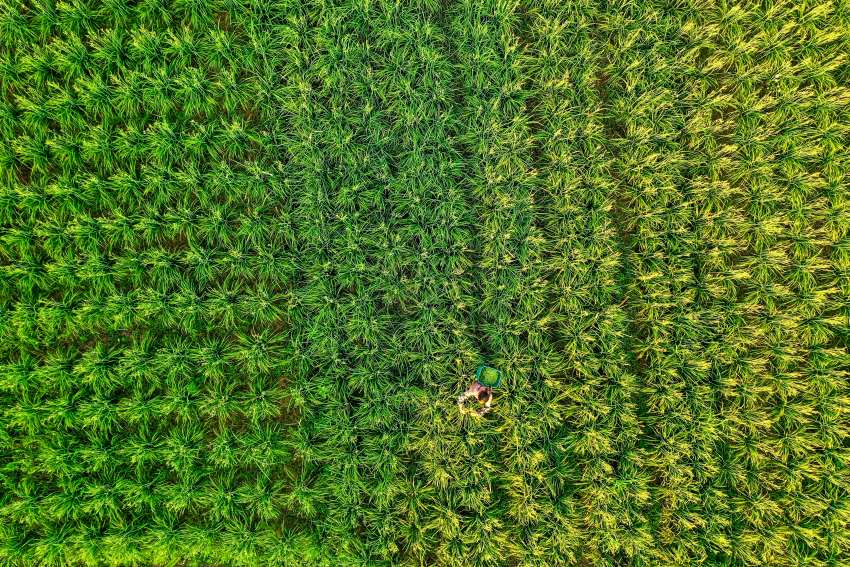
484	395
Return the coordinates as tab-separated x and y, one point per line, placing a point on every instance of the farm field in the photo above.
251	252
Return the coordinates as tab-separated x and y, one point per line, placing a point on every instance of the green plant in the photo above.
251	252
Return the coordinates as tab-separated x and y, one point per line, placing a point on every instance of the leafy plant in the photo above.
251	252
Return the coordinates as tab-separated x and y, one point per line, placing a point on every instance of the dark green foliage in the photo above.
251	252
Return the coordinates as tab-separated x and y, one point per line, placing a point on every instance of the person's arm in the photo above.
463	397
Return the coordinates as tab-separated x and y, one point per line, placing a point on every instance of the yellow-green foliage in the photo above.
252	251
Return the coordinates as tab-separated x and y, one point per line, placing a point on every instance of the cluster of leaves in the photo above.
146	253
732	164
252	251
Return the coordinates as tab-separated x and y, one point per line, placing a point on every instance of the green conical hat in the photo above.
488	376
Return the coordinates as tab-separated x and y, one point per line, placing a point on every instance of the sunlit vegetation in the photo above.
252	251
